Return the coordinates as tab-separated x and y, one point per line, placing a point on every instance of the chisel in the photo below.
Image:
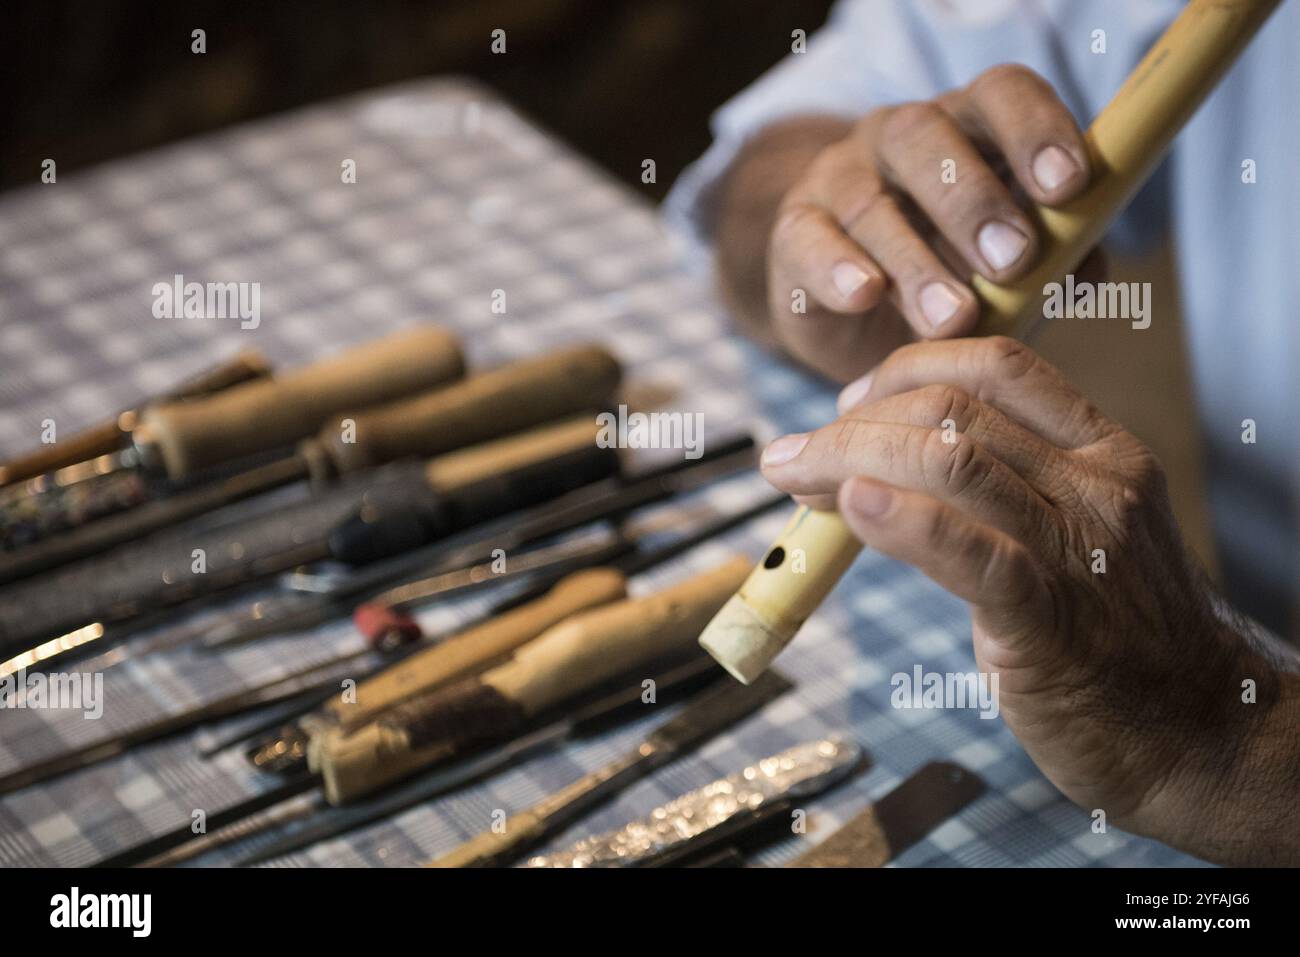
413	506
482	407
327	594
268	692
287	751
1126	142
623	704
717	812
638	633
563	662
175	440
706	715
113	435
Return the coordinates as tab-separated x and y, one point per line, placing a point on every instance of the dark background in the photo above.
621	80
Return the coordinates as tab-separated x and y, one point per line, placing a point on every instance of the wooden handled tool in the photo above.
470	651
107	437
460	489
412	506
1126	142
499	401
706	715
571	657
261	416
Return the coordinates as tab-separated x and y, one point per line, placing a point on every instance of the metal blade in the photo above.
598	717
709	713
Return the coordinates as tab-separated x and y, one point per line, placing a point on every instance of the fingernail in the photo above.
1052	167
939	303
853	393
848	278
784	449
1001	244
870	499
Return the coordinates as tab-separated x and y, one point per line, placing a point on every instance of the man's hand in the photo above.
975	461
873	228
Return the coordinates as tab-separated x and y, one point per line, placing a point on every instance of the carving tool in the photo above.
287	751
700	820
113	435
706	715
490	405
899	819
403	508
1126	143
285	686
175	441
621	705
568	659
326	594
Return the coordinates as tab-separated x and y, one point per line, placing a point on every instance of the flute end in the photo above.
741	640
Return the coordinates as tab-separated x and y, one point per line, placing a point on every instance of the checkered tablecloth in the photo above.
456	196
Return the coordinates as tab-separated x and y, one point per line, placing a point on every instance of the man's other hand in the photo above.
975	461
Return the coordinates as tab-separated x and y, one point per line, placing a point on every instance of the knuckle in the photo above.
871	206
939	403
1003	75
826	165
1008	359
842	439
1136	493
954	466
976	196
792	220
908	121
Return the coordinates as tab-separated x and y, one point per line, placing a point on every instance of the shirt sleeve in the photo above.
874	53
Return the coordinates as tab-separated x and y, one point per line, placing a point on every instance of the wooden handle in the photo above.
578	653
478	647
259	416
483	407
109	436
596	645
1127	141
456	470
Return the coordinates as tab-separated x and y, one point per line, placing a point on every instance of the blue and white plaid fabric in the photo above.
456	197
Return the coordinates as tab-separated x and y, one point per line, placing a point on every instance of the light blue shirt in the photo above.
1237	244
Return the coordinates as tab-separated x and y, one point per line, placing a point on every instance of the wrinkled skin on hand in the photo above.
975	461
884	226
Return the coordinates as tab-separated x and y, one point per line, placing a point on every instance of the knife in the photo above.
705	716
716	812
